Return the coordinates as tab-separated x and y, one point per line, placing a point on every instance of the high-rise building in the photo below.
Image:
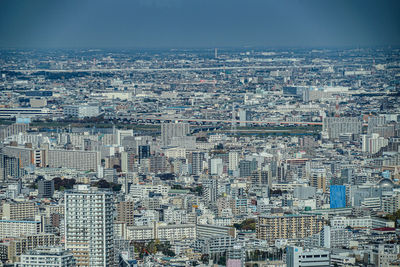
45	188
81	111
318	179
9	167
74	159
143	152
216	166
210	187
375	121
89	226
12	228
337	196
246	167
233	163
196	162
244	116
170	130
334	126
261	177
13	129
373	143
125	211
271	228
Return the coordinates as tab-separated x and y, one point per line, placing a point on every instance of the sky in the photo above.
198	23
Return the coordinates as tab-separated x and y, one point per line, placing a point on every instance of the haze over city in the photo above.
195	23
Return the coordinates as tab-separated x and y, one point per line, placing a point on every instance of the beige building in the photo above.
125	212
271	228
19	210
20	245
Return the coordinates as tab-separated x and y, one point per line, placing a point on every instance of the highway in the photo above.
299	123
163	69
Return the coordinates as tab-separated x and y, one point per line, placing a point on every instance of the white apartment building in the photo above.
81	111
360	222
170	130
74	159
143	190
373	143
233	161
11	228
89	226
334	126
159	231
47	257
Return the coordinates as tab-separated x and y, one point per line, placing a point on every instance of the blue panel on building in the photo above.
338	196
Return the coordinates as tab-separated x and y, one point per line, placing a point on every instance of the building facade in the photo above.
89	226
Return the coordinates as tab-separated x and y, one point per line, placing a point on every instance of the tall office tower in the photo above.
45	188
233	163
143	152
318	179
246	167
9	167
216	166
334	126
196	162
375	122
244	116
210	189
170	130
261	177
89	226
125	211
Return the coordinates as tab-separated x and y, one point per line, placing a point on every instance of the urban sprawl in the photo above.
208	157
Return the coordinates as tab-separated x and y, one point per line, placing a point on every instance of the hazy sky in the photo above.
198	23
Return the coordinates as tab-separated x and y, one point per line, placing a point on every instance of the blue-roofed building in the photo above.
337	196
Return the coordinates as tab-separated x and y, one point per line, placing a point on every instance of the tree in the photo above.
62	184
247	225
205	258
394	217
198	190
104	184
